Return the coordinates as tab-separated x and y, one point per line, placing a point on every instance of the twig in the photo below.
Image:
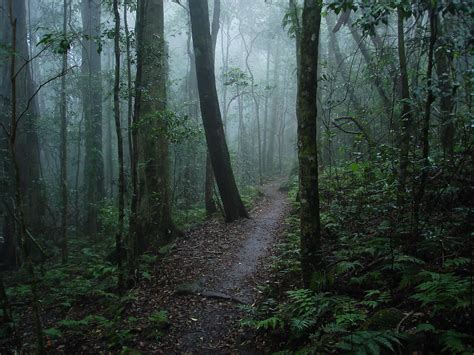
28	233
38	90
408	315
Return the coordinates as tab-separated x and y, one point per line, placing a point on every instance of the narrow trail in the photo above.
216	261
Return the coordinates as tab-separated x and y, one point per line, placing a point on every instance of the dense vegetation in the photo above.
130	126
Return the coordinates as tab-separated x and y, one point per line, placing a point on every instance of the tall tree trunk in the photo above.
446	104
218	151
405	124
92	106
248	49
273	113
265	112
18	110
209	184
368	59
128	61
153	204
311	258
340	64
27	142
425	129
63	144
118	129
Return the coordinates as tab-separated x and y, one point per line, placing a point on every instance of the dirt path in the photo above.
219	259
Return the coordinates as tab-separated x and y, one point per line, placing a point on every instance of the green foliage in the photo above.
444	292
369	342
236	77
53	333
158	319
378	295
454	342
189	217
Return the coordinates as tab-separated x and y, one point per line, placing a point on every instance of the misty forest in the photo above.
236	176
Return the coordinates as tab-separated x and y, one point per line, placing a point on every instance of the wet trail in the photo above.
221	266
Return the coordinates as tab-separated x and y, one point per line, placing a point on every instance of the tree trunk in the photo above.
368	59
273	114
255	99
425	131
265	113
209	184
129	82
26	141
19	101
118	129
446	105
63	144
218	151
311	259
153	204
405	124
92	106
340	64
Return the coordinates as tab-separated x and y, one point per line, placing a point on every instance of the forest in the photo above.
236	177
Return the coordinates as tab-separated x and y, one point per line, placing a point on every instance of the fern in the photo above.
370	342
443	291
455	342
270	323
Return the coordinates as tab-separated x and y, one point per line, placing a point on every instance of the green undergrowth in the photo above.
195	215
376	295
79	300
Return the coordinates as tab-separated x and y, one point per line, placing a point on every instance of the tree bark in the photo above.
340	64
248	49
311	258
209	183
447	128
425	130
118	129
153	217
63	143
218	151
405	124
26	141
368	59
92	106
129	82
273	114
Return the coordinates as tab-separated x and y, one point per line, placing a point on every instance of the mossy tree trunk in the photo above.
406	116
92	106
311	258
153	222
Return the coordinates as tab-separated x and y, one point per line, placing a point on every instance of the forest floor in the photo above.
210	273
189	298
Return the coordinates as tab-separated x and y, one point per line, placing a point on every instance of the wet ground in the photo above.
219	266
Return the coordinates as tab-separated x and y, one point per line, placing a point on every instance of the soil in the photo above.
221	260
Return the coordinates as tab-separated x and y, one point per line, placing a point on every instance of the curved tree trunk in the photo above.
209	184
211	116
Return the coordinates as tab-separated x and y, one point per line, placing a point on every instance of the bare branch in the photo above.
30	100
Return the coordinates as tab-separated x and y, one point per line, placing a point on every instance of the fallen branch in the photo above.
195	289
